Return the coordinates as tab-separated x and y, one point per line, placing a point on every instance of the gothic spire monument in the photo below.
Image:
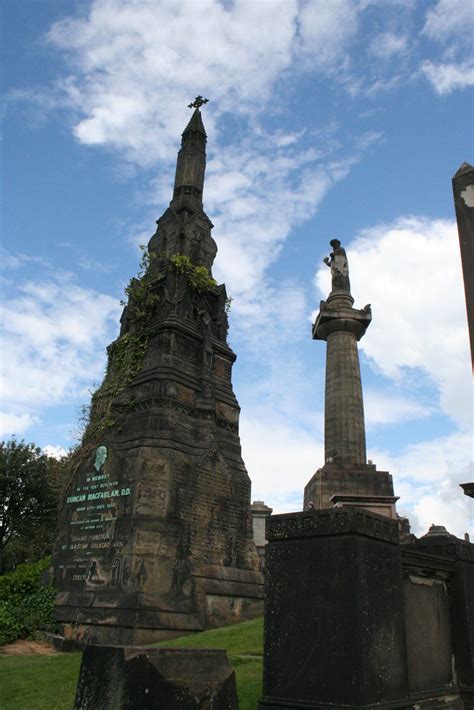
346	478
156	537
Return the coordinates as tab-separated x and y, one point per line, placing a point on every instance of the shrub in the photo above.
26	603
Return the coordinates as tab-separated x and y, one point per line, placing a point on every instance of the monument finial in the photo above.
198	102
191	163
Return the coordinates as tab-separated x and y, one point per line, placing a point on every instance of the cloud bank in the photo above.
54	333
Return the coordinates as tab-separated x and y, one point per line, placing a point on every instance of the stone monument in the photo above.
463	191
346	477
354	619
156	537
260	513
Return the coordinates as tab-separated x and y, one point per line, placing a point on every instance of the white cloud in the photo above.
129	84
381	408
55	451
451	24
448	506
18	260
427	477
448	19
419	327
325	29
280	456
387	44
427	463
14	424
256	195
448	77
54	333
134	65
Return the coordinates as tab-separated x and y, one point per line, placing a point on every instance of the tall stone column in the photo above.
346	478
344	438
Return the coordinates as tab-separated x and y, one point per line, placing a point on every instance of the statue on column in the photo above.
337	261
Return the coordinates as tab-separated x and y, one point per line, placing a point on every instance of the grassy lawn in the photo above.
38	682
49	682
244	644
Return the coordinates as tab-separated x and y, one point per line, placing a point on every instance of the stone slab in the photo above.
446	701
128	678
332	522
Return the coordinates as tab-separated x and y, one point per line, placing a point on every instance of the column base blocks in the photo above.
339	485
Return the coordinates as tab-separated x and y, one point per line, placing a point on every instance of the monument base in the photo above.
447	700
334	607
220	596
355	485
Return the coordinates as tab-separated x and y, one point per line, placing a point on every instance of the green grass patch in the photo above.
239	639
244	645
49	682
38	682
248	676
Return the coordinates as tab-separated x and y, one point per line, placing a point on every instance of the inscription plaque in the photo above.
90	547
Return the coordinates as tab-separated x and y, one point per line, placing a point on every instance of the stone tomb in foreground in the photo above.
354	620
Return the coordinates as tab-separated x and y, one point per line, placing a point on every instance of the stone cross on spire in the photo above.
198	102
191	163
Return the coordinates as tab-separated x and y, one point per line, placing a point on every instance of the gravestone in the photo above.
128	678
155	538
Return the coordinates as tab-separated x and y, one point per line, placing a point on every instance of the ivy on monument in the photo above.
125	355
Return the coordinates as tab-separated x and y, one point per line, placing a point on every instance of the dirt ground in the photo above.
26	647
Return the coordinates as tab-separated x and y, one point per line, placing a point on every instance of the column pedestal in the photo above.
334	624
339	485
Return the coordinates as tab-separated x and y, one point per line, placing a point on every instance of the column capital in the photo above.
335	317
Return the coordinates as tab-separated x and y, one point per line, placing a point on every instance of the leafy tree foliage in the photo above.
26	602
30	488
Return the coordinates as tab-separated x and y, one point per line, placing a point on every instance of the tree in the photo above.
29	493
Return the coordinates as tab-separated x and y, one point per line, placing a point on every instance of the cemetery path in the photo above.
27	647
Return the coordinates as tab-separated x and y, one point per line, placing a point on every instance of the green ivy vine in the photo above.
125	355
198	277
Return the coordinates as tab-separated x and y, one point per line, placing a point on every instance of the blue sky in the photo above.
344	119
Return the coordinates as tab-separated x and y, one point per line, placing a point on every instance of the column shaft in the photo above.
344	410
